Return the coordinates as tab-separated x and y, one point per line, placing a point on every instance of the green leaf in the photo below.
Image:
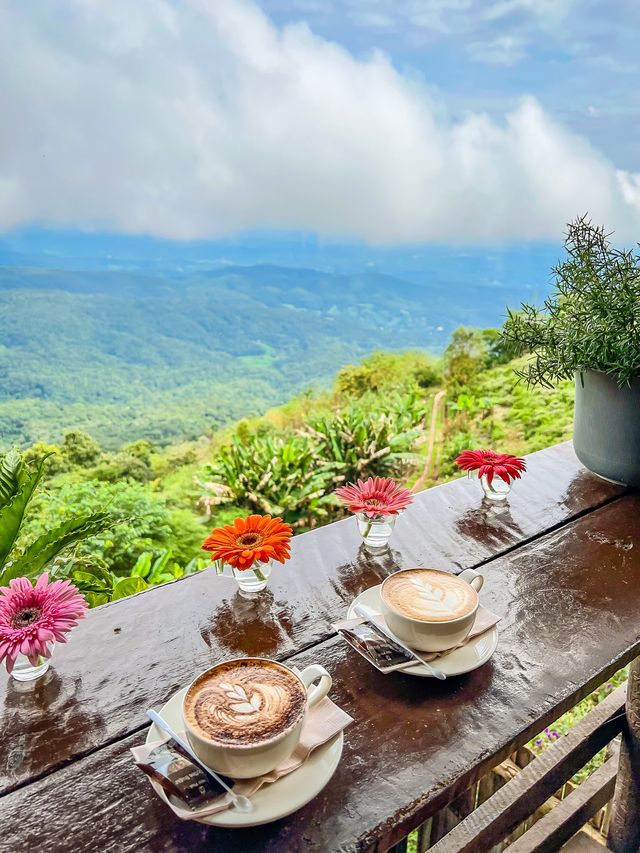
50	544
128	586
97	573
163	577
17	483
86	579
11	466
143	565
94	599
159	566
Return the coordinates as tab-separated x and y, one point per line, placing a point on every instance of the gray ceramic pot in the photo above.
606	430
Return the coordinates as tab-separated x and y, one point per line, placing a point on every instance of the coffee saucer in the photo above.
280	798
456	662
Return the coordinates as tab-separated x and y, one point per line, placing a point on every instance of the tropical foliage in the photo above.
294	474
18	482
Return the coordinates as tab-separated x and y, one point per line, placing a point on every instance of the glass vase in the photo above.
375	532
24	670
497	490
253	579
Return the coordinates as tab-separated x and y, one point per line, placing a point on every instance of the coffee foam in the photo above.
429	595
244	702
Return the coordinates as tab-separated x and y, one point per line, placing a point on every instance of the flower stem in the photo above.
367	529
258	573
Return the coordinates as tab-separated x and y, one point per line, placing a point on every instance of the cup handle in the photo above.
472	578
310	674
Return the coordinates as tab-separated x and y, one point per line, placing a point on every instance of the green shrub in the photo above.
294	475
143	519
388	371
79	449
25	550
358	445
591	321
279	475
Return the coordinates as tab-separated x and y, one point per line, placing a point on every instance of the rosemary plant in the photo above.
591	320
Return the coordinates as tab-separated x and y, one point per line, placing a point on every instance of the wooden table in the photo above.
562	567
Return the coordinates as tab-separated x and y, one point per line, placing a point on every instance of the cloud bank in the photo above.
200	118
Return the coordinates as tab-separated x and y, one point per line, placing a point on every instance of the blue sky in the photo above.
389	121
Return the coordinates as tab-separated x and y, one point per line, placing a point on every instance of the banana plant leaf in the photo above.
17	484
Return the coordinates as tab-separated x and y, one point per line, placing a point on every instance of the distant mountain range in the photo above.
163	349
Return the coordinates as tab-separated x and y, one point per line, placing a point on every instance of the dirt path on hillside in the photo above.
438	404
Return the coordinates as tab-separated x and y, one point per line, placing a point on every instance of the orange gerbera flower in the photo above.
258	538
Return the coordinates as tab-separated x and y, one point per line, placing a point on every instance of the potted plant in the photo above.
589	328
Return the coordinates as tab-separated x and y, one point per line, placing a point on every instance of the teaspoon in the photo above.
243	804
367	613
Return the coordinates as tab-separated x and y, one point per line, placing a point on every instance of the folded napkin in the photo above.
485	620
322	723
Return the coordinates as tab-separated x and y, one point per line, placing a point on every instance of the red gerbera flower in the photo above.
375	496
258	538
504	465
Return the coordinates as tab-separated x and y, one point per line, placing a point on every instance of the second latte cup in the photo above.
246	761
434	636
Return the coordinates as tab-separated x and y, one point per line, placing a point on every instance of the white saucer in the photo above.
278	799
456	662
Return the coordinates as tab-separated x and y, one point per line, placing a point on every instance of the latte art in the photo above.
429	595
245	702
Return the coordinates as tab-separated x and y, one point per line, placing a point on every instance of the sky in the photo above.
388	121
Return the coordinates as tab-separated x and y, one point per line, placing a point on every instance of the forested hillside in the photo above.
403	415
125	355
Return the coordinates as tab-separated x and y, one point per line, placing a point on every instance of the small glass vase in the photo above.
253	579
375	532
497	490
24	670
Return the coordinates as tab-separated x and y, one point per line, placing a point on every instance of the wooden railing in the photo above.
513	817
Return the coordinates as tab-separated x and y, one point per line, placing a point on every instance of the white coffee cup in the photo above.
244	761
432	636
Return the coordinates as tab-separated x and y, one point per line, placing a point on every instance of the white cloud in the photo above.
201	118
503	50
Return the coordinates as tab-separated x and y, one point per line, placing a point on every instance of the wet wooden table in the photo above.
561	564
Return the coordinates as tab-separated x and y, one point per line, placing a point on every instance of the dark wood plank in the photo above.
624	831
138	650
583	843
491	822
570	605
551	832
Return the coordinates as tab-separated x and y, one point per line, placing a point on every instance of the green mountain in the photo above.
125	355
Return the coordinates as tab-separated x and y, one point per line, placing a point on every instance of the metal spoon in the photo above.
243	804
367	613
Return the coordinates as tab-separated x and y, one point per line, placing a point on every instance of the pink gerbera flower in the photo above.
375	496
503	465
33	617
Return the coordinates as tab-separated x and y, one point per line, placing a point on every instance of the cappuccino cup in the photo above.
429	609
244	717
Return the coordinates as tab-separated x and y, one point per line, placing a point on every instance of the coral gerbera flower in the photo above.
33	617
504	465
258	538
375	496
